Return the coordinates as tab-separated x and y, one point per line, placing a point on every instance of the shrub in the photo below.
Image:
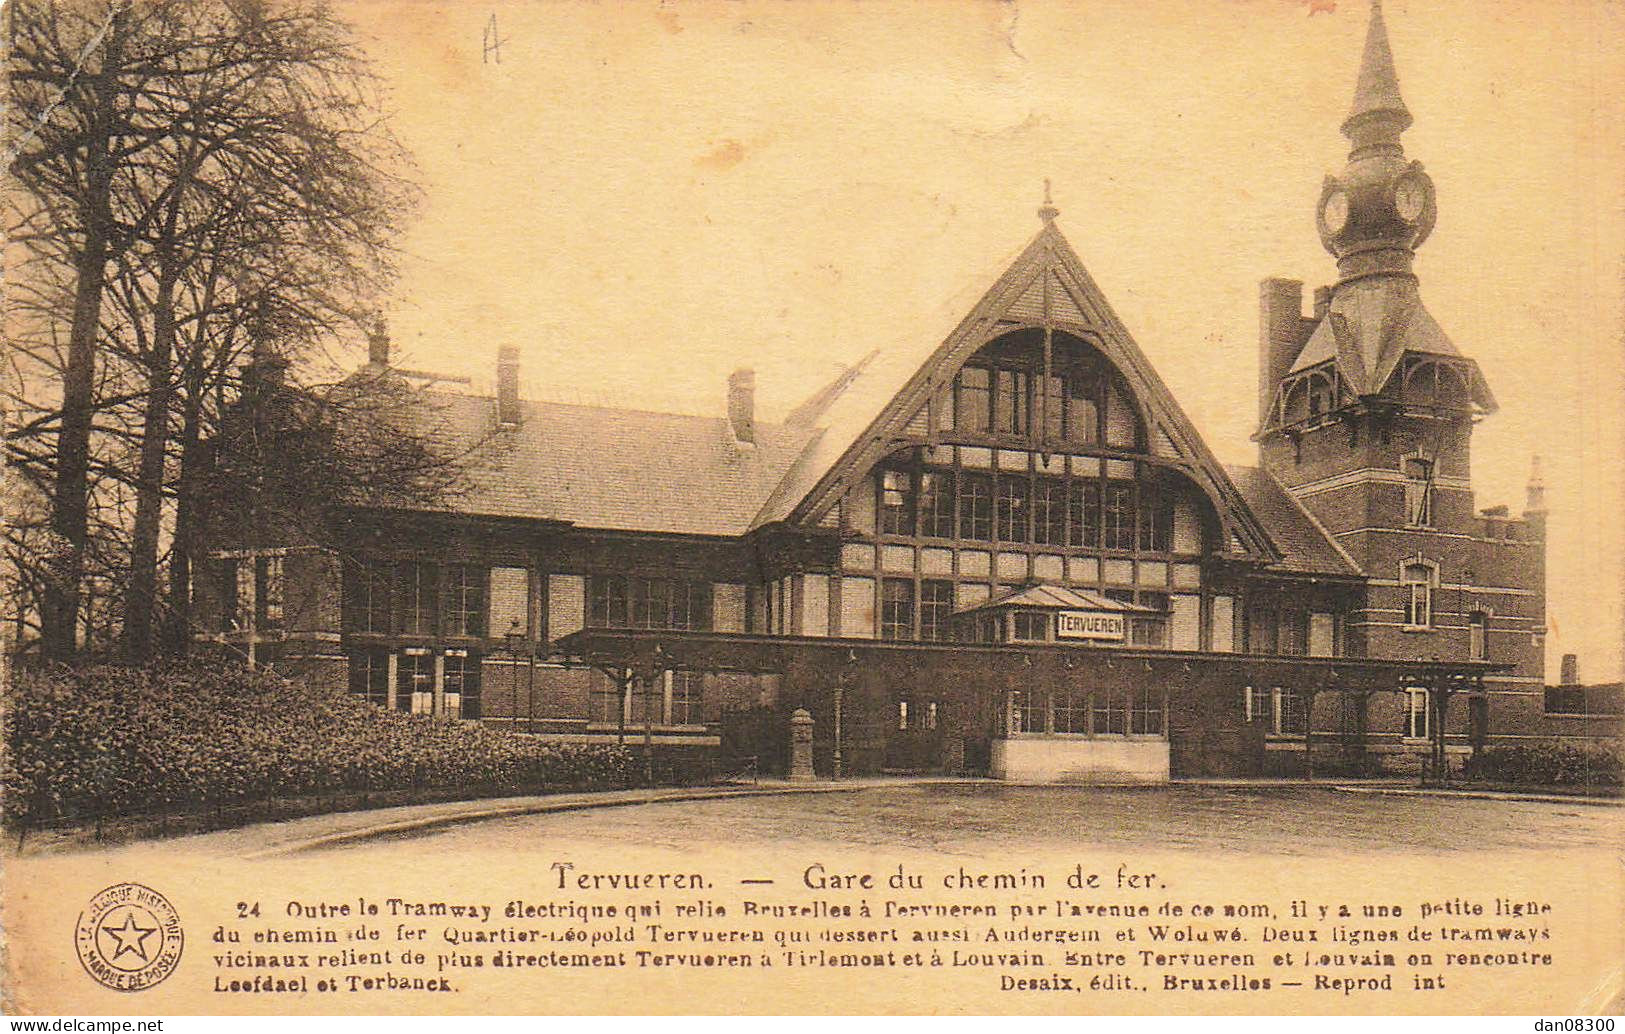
108	741
1549	763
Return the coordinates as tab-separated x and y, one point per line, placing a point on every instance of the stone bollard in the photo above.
801	731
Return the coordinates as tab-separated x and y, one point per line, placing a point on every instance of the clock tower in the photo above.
1366	407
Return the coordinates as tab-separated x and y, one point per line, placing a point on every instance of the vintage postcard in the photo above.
962	508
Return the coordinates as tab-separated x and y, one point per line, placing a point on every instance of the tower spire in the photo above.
1377	103
1047	212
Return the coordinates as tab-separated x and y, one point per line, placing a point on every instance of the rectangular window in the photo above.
1030	711
1259	705
1145	713
976	507
1082	409
1478	640
1083	514
897	608
1031	626
369	676
1416	713
1290	632
1119	515
687	698
418	591
1110	712
1418	596
463	605
1013	497
234	596
896	503
1419	492
462	684
608	697
1322	635
1072	713
268	591
1049	512
1291	718
937	504
367	587
936	609
902	715
414	682
1010	403
973	410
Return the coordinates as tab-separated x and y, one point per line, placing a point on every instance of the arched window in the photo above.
1418	584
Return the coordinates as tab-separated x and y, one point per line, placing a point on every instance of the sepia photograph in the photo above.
969	508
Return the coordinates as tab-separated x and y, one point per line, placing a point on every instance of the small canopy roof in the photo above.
1040	596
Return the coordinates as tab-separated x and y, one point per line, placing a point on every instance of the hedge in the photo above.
106	741
1549	763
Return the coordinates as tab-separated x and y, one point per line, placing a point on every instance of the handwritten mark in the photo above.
491	43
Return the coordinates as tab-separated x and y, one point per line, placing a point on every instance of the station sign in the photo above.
1089	624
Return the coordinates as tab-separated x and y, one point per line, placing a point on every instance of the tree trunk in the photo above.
177	629
70	504
141	594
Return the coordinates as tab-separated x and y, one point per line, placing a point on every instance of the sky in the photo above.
645	197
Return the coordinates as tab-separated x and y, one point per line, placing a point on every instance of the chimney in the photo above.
1535	491
378	345
1571	670
266	370
1323	303
1282	331
742	406
508	386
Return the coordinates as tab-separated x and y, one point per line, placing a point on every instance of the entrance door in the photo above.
915	740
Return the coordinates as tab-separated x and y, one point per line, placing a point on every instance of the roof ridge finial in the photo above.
1048	211
1376	91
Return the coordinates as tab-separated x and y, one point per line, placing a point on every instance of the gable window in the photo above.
1083	409
976	507
1155	520
1119	515
897	608
936	608
974	408
1049	512
1418	596
1416	713
1013	493
896	503
1083	514
1419	492
936	505
1010	402
1054	408
1478	643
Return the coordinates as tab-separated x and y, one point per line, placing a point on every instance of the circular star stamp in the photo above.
129	937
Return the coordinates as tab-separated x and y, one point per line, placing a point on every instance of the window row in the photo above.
675	698
416	598
1068	406
632	601
1095	712
1291	631
1019	508
1285	712
418	681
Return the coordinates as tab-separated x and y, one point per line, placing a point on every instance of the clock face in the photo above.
1334	211
1410	198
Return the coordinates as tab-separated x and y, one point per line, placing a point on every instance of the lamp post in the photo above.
514	638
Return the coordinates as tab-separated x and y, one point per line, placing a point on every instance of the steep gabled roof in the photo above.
1306	546
1045	282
